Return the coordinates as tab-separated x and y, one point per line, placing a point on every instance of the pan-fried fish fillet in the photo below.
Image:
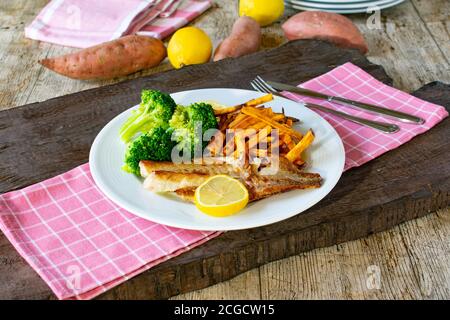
210	166
261	182
164	181
232	167
262	187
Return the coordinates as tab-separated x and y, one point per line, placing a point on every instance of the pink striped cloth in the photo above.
84	23
82	244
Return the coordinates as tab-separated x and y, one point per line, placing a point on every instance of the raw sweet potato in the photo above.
328	26
245	38
110	59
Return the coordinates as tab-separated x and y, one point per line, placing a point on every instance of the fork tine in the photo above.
254	86
261	84
260	80
258	86
265	84
266	89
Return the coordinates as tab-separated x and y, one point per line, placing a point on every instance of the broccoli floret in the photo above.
204	113
154	145
155	110
185	120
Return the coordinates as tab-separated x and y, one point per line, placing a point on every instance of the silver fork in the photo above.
262	86
171	9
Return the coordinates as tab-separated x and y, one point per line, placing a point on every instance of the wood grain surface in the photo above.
412	43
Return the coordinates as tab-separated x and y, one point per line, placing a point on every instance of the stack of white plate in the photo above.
342	6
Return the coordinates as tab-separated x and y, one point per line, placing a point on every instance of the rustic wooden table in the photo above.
411	41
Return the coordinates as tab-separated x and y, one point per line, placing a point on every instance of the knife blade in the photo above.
405	117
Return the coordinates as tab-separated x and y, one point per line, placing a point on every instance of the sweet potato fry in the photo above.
226	123
243	121
268	111
240	117
290	145
278	117
288	141
304	143
246	123
283	128
240	144
258	101
250	103
261	137
222	111
289	122
259	125
261	153
284	149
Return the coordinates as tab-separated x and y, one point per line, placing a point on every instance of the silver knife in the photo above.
405	117
157	9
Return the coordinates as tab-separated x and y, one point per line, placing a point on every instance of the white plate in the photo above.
342	5
326	156
363	9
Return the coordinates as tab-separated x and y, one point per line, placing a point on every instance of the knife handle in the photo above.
381	126
404	117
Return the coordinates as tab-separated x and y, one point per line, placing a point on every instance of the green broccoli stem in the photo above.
155	110
135	114
140	124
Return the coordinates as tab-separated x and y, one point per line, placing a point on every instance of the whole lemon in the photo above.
187	46
263	11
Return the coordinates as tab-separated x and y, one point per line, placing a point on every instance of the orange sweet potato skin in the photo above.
245	38
110	59
328	26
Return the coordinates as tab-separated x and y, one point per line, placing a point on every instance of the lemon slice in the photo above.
221	196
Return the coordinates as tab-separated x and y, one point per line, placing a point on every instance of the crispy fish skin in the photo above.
186	194
208	167
263	187
283	169
164	181
260	188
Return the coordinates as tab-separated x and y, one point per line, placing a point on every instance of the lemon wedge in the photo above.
221	196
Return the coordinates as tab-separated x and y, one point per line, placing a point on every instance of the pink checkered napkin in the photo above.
84	23
363	144
80	242
187	11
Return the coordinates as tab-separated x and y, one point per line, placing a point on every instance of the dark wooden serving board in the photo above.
40	140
